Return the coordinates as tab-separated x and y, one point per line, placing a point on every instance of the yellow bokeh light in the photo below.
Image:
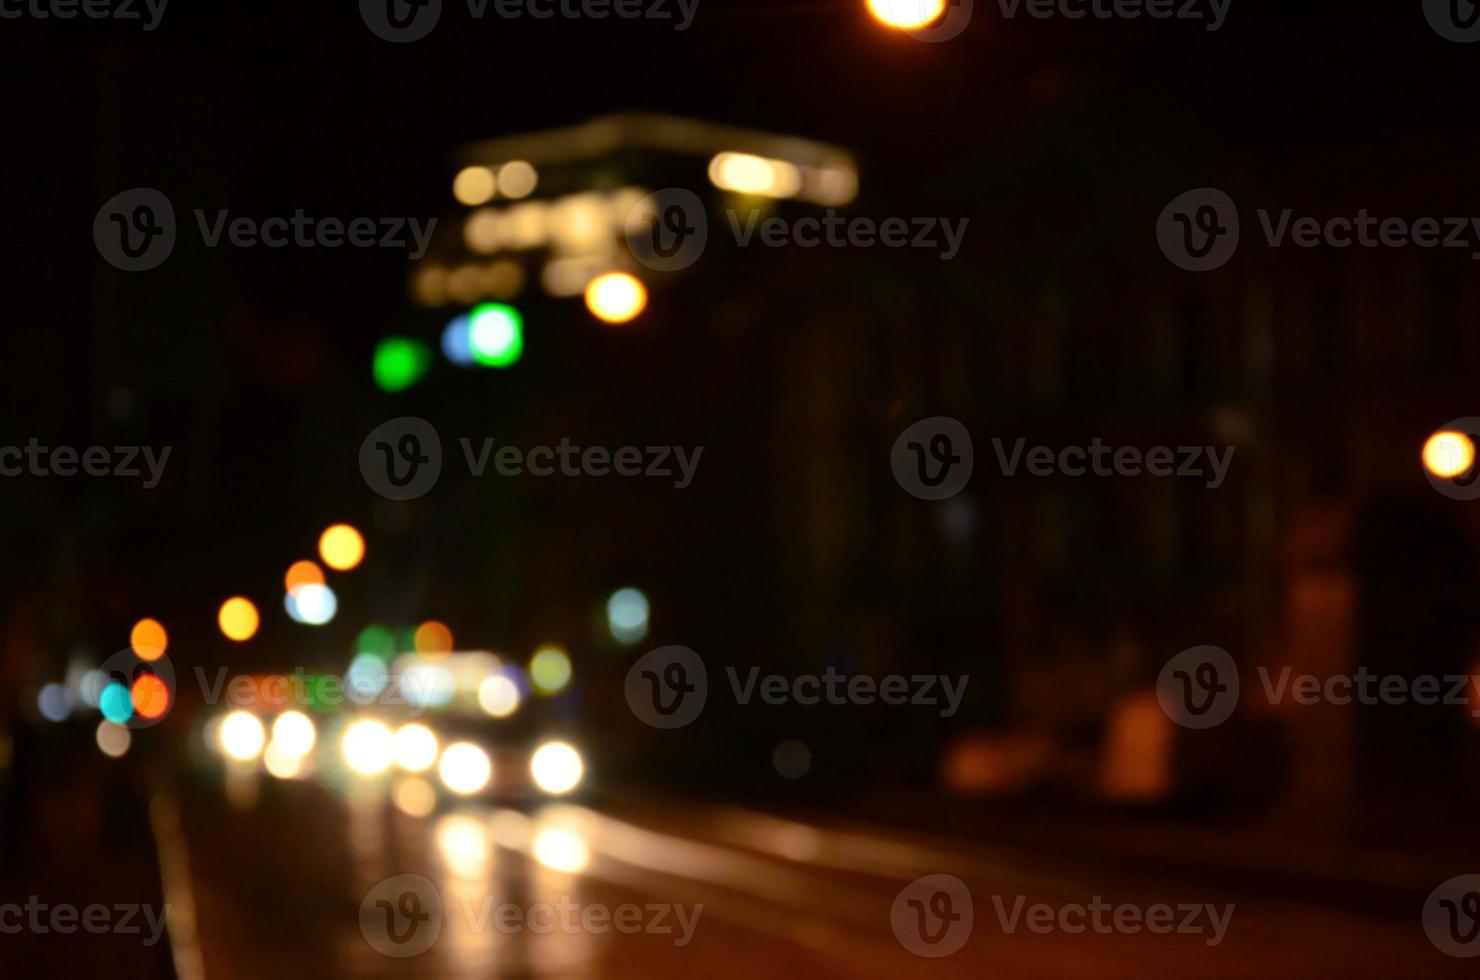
906	14
368	747
433	637
149	639
473	186
465	769
238	619
746	173
1448	454
303	573
616	297
341	547
517	179
414	797
242	736
549	670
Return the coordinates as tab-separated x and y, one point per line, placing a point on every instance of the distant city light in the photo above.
150	697
433	637
556	767
116	704
465	769
294	734
457	341
280	764
745	173
792	759
399	363
341	547
498	695
616	297
54	702
114	740
906	14
414	796
238	619
367	676
313	605
1448	454
414	748
561	850
302	573
517	179
473	186
242	736
149	639
627	615
496	334
428	685
549	670
464	845
367	747
376	640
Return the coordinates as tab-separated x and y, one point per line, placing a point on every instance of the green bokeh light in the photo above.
496	331
400	363
376	640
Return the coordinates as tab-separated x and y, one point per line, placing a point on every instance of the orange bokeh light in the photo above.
433	637
149	639
151	697
303	573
